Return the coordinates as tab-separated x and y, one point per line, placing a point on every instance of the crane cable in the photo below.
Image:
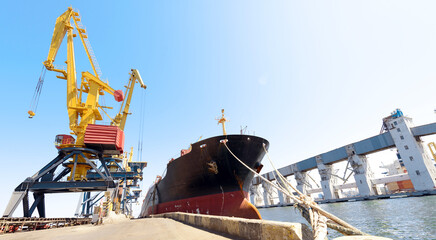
35	99
141	126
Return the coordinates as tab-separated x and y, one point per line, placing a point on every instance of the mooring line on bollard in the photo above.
316	216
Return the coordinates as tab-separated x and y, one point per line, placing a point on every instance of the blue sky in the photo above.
308	76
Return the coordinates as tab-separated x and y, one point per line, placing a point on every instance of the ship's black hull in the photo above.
208	172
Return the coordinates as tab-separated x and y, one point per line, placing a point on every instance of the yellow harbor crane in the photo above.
94	142
82	113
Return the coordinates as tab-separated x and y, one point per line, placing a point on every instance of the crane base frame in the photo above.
47	181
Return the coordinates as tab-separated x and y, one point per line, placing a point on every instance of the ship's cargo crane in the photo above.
93	142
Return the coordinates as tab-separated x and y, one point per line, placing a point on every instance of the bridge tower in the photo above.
362	172
301	178
327	180
267	194
254	194
419	165
283	199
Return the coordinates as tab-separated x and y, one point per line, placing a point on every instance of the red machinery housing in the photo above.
108	139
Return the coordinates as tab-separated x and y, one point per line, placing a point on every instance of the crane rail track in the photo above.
14	224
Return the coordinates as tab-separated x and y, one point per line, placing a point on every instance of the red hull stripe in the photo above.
232	204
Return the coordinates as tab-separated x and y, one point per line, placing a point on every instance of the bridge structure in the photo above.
397	132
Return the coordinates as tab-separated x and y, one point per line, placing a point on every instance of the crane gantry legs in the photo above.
47	180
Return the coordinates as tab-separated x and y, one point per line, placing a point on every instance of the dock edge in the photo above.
243	228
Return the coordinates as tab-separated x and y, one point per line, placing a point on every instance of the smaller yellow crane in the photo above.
120	118
432	147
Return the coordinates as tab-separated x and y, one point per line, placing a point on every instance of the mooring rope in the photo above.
318	218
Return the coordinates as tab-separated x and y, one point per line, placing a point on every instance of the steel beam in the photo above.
364	147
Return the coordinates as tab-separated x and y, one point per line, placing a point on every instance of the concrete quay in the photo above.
179	226
173	226
147	228
241	228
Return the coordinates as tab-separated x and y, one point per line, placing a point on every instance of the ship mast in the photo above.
222	120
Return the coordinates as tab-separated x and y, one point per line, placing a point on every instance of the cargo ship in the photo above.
208	179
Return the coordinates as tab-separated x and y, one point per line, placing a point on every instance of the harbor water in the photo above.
398	218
